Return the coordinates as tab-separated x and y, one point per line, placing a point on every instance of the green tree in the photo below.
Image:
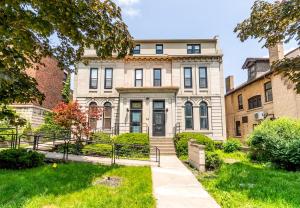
273	23
66	91
28	29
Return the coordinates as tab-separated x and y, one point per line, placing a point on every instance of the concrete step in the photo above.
161	145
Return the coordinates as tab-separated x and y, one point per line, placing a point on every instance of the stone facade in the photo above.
50	79
285	101
171	91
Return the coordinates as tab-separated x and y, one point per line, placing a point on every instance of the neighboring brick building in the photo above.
50	79
264	95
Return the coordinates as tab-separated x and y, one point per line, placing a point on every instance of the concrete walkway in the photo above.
175	186
99	160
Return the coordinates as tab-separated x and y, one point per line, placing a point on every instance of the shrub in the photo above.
278	142
49	127
212	160
20	159
101	137
97	149
181	142
232	145
75	149
218	145
132	145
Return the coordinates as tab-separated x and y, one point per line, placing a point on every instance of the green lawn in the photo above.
245	184
71	185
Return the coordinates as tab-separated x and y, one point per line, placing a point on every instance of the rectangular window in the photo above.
268	92
138	78
93	78
254	102
159	49
240	102
108	78
245	119
188	77
238	128
157	77
193	48
137	49
203	77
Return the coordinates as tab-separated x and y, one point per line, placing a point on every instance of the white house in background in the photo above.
164	86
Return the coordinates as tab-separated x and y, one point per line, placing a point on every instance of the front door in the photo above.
158	125
136	117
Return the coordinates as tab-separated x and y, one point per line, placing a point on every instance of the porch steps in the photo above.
165	145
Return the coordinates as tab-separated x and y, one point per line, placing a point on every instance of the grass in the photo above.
70	185
248	185
234	155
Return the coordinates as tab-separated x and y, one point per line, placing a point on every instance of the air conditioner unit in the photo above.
259	116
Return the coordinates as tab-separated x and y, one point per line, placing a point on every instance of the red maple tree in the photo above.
71	117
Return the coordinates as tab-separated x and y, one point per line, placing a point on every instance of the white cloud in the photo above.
129	7
127	2
131	12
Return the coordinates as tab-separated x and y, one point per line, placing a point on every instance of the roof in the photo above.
212	40
251	61
249	82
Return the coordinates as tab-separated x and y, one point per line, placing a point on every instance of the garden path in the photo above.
175	186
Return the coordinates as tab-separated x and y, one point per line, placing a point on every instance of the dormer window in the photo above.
251	73
159	49
193	48
137	49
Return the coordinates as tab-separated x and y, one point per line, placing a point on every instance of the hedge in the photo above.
20	159
181	142
101	137
132	145
104	150
277	141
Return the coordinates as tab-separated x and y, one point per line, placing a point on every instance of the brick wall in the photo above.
50	81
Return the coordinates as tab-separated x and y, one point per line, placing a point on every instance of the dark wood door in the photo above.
158	125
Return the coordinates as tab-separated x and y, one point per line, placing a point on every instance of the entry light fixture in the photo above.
167	109
127	109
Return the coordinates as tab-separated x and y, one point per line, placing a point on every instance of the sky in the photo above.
171	19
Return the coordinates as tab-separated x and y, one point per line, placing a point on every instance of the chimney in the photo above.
229	82
276	53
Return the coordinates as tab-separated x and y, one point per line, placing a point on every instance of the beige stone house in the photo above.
263	95
163	87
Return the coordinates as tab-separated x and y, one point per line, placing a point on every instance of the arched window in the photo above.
92	120
203	115
107	116
188	109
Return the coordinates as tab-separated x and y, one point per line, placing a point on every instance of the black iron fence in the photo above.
66	146
62	142
120	128
9	137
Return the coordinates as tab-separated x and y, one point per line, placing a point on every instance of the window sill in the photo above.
269	102
255	109
188	90
93	91
108	91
